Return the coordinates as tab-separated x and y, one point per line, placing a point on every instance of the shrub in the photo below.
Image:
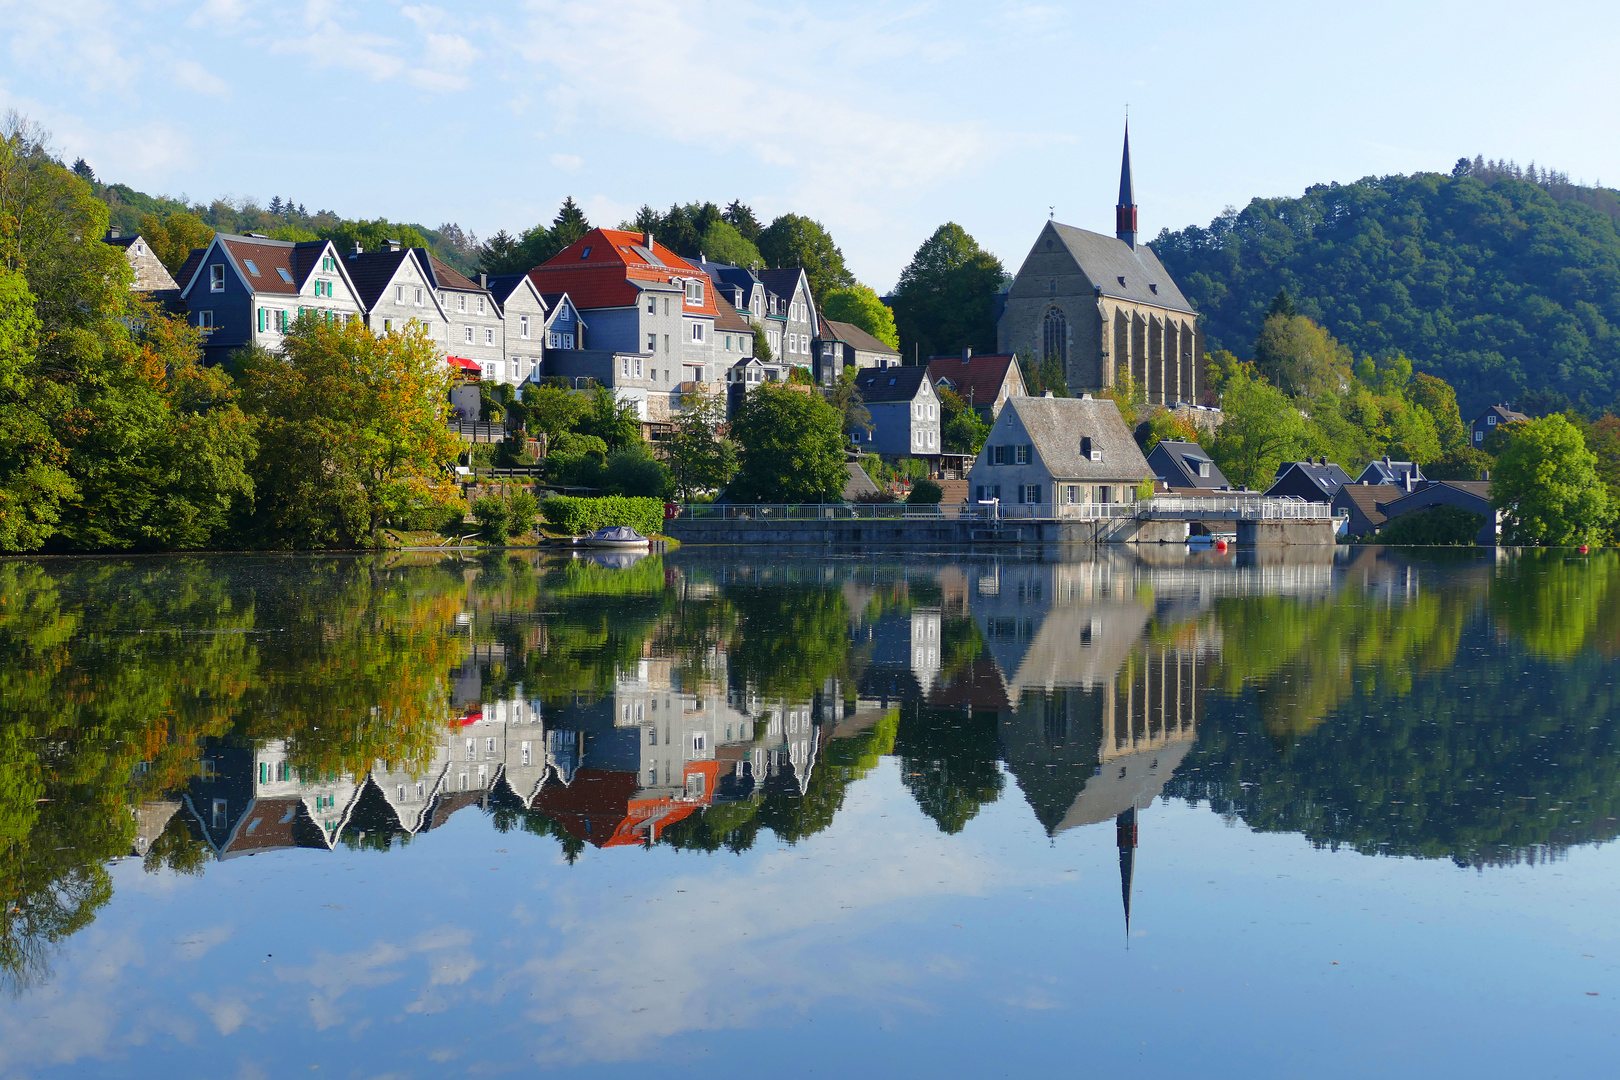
493	519
433	515
634	472
925	492
521	509
578	516
1449	526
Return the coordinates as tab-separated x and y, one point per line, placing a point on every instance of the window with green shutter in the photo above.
264	772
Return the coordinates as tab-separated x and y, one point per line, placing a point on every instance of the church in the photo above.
1104	305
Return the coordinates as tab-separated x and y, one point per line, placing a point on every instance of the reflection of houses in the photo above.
244	801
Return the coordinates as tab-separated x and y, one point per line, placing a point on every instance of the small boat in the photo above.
615	538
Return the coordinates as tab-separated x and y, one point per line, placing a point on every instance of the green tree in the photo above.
33	483
1445	526
741	217
860	306
723	243
1547	487
633	471
699	459
613	421
790	448
793	240
371	235
961	429
945	299
762	345
173	237
554	410
569	225
1261	429
1300	358
352	431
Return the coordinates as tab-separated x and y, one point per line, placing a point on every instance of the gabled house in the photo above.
150	273
1313	481
905	413
565	327
476	330
525	316
1185	465
395	292
1492	418
1054	455
246	290
1361	505
791	314
650	310
1407	474
1473	496
842	346
984	382
739	286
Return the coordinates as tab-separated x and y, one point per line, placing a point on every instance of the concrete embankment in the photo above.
913	532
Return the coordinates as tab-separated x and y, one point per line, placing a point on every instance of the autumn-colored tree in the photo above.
173	237
353	432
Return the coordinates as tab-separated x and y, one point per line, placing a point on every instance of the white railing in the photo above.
828	512
1233	507
1160	507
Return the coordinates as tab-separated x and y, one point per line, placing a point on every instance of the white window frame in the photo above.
216	277
469	335
399	294
461	303
489	335
523	326
418	297
697	333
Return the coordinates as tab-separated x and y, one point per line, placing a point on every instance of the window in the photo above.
328	263
638	367
652	342
793	343
388	326
666	343
1203	468
697	332
652	304
282	270
624	366
1479	436
1105	494
1055	336
931	413
523	326
461	303
219	813
694	293
585	254
998	455
700	741
399	294
281	322
469	334
728	343
1021	454
1071	493
480	305
418	297
1032	493
216	278
252	268
489	335
1491	420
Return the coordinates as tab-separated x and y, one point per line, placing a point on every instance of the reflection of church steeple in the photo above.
1125	833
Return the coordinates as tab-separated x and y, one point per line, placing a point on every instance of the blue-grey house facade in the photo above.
905	413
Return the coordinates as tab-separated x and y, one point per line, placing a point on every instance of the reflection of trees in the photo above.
1493	757
1558	604
787	639
948	761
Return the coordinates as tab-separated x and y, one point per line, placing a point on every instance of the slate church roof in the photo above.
1120	271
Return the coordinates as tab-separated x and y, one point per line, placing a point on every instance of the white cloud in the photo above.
196	945
566	162
219	15
194	76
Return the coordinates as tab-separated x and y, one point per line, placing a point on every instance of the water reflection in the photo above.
187	711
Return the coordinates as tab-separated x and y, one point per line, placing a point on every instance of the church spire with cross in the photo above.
1125	211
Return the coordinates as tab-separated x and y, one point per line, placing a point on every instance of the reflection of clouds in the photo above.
195	946
227	1013
333	975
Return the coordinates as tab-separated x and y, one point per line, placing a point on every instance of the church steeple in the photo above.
1125	211
1125	834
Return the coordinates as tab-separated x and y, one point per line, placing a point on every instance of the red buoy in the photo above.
1220	545
1584	549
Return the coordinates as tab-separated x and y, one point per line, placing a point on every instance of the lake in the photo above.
1288	812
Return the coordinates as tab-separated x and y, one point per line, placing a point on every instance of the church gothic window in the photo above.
1055	335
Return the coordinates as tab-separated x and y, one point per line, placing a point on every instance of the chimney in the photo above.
114	233
359	249
393	245
647	240
967	354
483	281
1406	478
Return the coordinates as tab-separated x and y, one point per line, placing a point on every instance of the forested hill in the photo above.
1499	280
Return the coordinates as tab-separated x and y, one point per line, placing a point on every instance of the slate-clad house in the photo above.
565	328
1360	503
1473	496
246	290
525	315
733	335
1053	455
845	345
741	288
476	330
984	382
790	315
905	412
1185	465
1491	419
395	292
1313	481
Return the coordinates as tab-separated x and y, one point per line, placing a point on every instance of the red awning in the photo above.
463	362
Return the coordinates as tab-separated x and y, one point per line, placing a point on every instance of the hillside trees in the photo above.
1495	283
859	306
795	240
945	299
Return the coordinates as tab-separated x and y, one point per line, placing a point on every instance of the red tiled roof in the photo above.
268	258
978	380
598	270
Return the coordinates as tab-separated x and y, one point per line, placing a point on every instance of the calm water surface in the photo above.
1319	813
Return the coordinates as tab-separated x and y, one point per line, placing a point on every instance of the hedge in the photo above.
578	516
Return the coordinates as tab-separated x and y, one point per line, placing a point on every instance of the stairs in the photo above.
955	492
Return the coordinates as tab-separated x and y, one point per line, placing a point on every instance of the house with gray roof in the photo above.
1185	465
476	331
1104	306
1474	496
905	413
1492	418
791	323
1407	474
395	292
842	346
1054	455
150	275
1315	480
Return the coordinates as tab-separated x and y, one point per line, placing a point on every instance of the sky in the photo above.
880	119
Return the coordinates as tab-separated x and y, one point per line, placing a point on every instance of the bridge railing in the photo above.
1232	507
826	512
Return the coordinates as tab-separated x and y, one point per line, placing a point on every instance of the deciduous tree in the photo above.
945	298
859	306
790	448
1547	487
795	240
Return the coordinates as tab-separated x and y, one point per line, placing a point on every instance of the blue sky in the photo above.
880	119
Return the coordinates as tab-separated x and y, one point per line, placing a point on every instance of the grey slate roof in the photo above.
1504	415
880	385
1056	426
1385	471
501	287
1330	478
1105	260
371	271
850	334
1188	456
782	282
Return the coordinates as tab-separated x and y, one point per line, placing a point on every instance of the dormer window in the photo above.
1122	280
1203	468
1154	289
694	292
